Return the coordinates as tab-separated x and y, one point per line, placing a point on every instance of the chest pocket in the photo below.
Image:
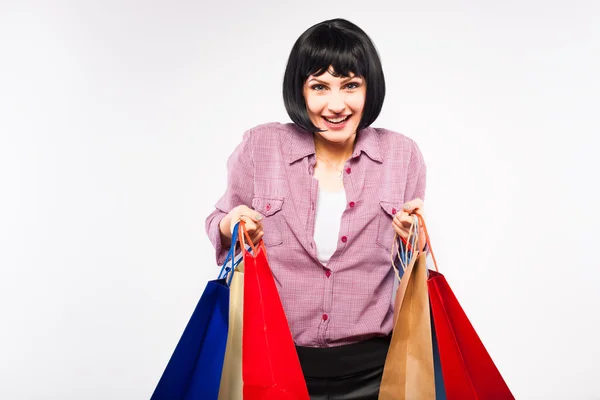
273	220
385	230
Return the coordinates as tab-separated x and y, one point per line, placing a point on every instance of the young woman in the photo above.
326	194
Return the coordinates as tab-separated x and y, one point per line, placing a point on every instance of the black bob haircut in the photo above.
345	47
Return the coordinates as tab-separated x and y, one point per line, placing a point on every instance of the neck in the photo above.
336	153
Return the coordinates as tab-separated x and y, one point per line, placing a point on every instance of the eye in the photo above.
353	85
317	87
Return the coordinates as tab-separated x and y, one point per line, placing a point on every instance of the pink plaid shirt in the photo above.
271	171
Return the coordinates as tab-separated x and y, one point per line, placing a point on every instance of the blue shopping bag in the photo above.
440	390
194	370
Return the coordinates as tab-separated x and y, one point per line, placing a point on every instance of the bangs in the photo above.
332	49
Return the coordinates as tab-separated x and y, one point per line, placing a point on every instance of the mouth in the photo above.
338	120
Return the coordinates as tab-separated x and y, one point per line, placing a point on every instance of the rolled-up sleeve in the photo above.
417	175
240	191
417	178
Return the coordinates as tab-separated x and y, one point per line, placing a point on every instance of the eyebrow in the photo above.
343	80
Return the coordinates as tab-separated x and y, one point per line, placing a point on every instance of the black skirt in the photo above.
349	372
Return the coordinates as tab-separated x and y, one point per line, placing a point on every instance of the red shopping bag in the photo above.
270	366
468	370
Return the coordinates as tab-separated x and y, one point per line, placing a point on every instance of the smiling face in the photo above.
335	104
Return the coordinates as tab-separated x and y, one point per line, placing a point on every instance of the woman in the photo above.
326	194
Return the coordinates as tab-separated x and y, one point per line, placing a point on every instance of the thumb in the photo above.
254	216
413	205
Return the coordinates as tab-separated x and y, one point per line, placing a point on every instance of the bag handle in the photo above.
244	233
428	241
239	231
230	257
414	244
411	243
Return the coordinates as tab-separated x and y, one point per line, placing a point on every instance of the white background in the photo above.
117	117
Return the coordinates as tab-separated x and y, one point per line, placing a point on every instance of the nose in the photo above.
336	103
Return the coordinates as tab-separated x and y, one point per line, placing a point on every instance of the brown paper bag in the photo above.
231	378
408	372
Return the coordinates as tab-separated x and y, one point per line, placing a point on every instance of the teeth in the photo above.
337	120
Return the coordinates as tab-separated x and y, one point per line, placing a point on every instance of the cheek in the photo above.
357	104
314	105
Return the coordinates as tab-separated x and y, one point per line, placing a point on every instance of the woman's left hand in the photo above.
403	220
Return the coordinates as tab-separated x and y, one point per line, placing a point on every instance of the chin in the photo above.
337	136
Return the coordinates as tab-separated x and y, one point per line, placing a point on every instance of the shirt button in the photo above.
348	170
394	211
325	317
344	239
351	204
327	273
268	207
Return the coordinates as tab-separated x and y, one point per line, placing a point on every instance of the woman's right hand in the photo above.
252	221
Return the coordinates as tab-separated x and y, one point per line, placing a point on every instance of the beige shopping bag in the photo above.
408	373
231	378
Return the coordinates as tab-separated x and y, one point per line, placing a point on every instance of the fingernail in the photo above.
259	217
407	207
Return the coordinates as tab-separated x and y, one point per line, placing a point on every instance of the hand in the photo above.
252	220
403	220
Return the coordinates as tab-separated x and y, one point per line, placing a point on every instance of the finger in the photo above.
237	217
399	224
400	231
403	216
253	215
257	228
256	238
250	225
404	226
256	231
234	221
400	227
404	219
413	205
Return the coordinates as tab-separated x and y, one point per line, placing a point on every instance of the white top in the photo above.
330	207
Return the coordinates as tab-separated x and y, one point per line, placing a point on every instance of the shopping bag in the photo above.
409	368
440	389
270	366
231	377
194	369
468	370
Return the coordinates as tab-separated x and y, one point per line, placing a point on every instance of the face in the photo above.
335	104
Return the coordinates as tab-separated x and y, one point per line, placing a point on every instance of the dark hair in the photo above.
345	47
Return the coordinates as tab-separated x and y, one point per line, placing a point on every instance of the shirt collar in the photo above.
367	141
303	145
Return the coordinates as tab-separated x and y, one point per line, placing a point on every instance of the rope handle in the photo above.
226	270
411	242
428	241
244	233
410	245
